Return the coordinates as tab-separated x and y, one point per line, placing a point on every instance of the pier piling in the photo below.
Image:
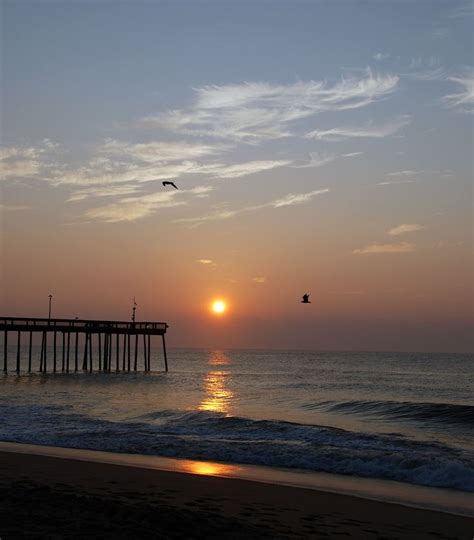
76	351
5	352
18	352
54	351
117	353
29	352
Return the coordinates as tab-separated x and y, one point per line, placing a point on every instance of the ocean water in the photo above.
404	417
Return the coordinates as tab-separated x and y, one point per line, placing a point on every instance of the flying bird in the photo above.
306	299
170	184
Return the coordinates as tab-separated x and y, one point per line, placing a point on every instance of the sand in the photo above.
50	497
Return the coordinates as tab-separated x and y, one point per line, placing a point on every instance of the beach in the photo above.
52	497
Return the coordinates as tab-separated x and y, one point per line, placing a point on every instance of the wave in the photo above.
446	413
216	437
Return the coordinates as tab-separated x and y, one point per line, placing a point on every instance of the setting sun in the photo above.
218	307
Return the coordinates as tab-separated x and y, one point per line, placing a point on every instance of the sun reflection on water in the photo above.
218	397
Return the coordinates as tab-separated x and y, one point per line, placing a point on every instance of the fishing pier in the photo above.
116	344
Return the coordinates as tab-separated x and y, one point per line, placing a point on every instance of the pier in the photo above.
117	344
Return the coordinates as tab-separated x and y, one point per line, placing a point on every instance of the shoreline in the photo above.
121	501
386	491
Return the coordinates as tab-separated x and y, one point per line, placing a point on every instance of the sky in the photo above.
318	147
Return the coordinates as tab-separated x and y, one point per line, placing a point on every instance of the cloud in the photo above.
103	191
241	169
298	198
406	172
12	208
367	131
259	279
408	176
462	101
433	74
317	160
288	200
426	69
401	247
21	161
107	172
205	261
381	56
133	208
352	154
465	10
160	152
252	112
19	168
405	228
391	182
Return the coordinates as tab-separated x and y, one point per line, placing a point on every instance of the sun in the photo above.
218	307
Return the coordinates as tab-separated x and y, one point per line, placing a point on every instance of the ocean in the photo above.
407	417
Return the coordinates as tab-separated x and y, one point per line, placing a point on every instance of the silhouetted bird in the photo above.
306	299
170	184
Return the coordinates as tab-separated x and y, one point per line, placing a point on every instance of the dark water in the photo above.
406	417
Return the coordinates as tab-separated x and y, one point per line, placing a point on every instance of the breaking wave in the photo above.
216	437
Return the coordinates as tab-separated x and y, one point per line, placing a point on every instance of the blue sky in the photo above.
347	123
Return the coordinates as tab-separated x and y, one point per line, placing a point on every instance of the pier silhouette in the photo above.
106	332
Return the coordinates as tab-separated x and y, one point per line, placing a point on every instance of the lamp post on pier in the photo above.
49	311
133	310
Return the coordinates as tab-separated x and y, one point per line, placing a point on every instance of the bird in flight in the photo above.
306	299
170	184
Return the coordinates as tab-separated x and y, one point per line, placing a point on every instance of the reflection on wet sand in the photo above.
208	468
218	397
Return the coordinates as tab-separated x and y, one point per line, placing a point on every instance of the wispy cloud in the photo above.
12	207
19	168
406	173
367	131
288	200
381	56
17	161
238	170
133	208
296	198
353	154
425	69
259	279
401	247
107	172
430	74
255	111
317	160
391	182
405	228
462	101
102	191
464	10
160	152
205	261
409	176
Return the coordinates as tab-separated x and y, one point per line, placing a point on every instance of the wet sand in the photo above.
51	497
